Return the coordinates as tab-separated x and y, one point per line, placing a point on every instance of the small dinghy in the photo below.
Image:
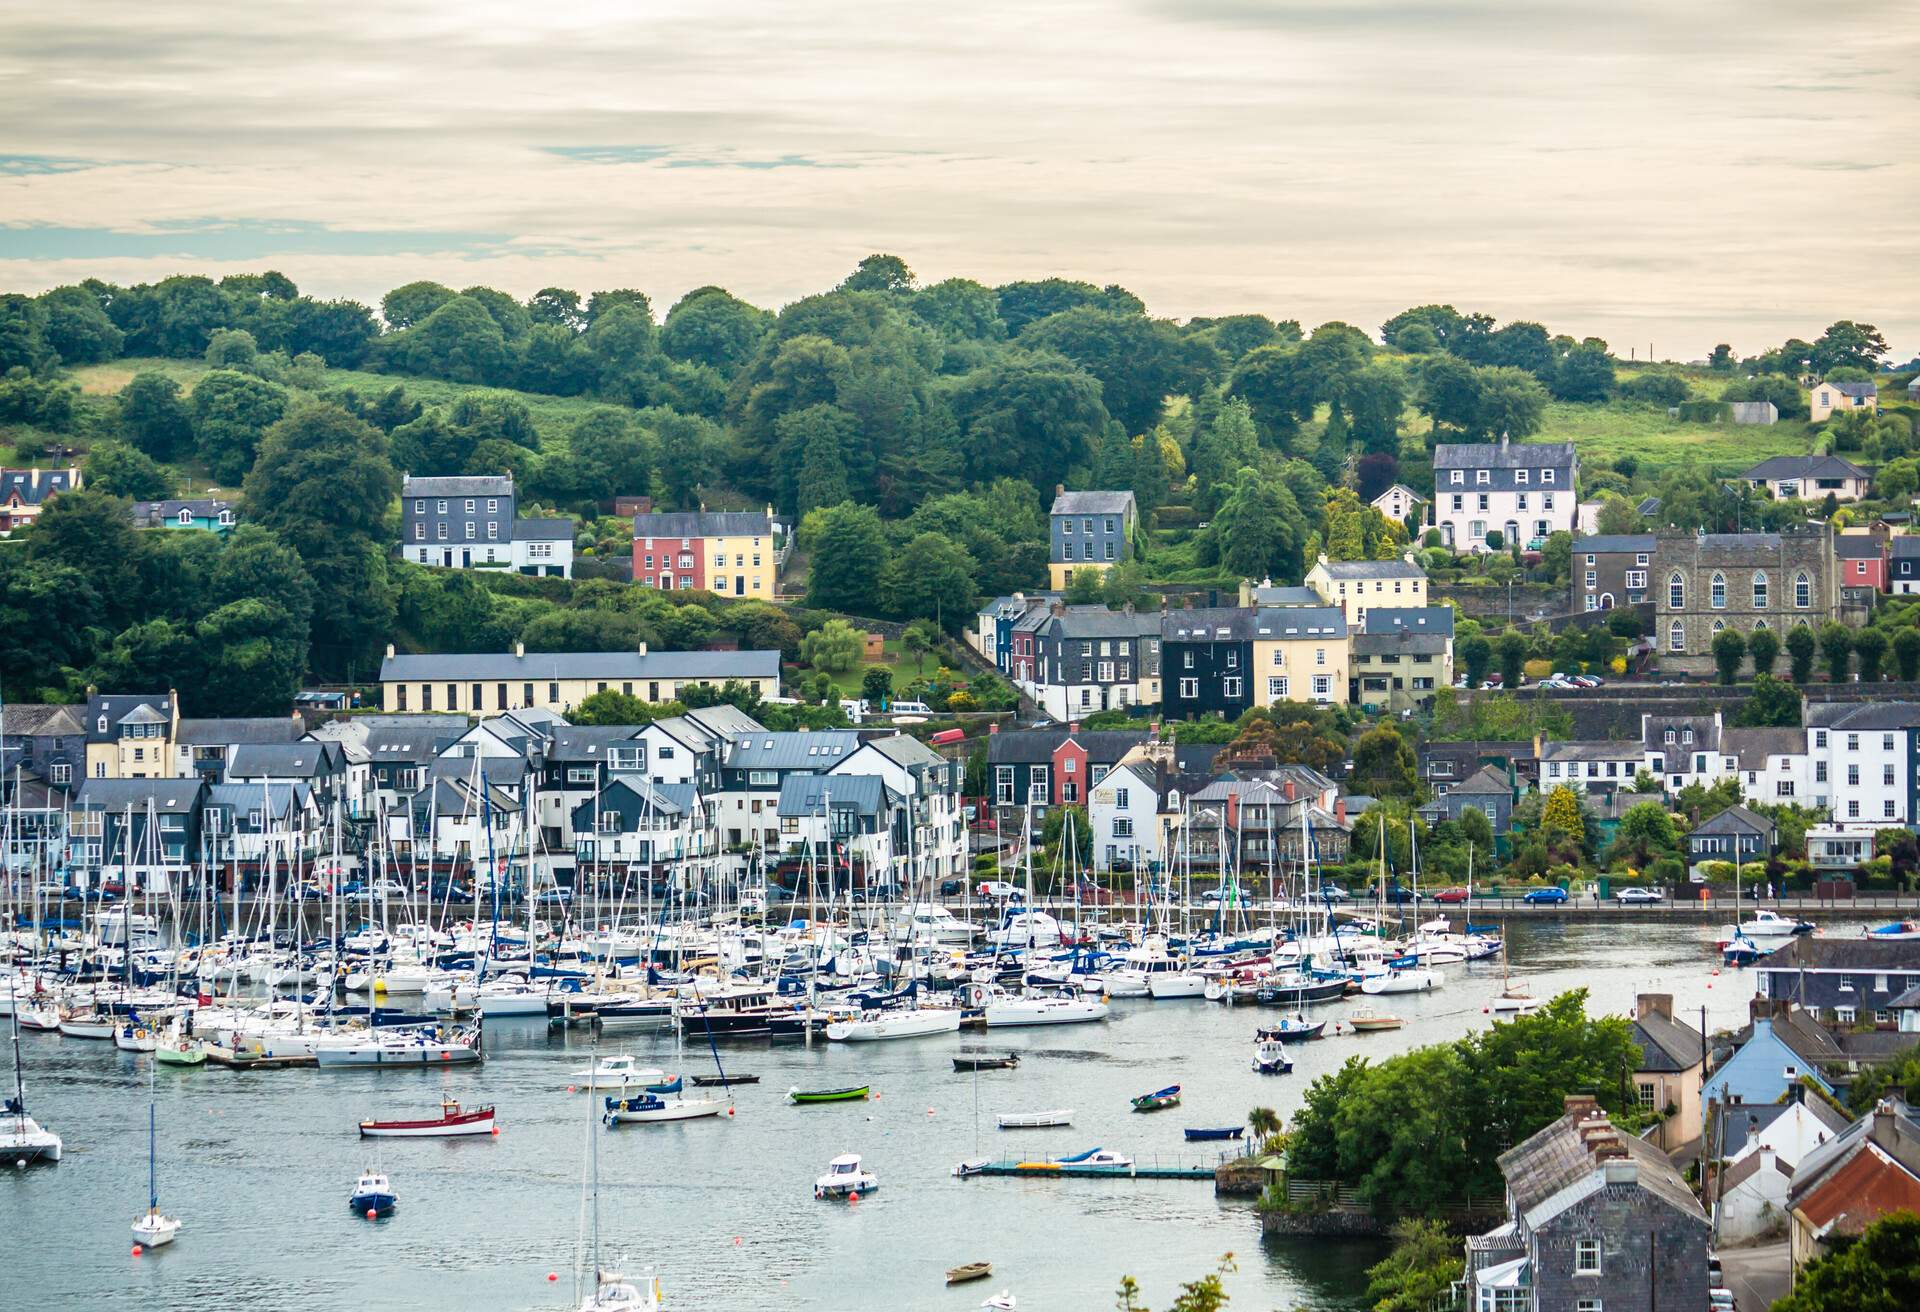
1270	1058
451	1121
982	1062
808	1097
180	1052
1034	1120
960	1275
845	1178
373	1195
1159	1100
1204	1135
1365	1020
715	1081
649	1108
1003	1301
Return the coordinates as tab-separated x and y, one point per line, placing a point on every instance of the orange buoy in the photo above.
729	1111
137	1250
552	1276
372	1213
854	1197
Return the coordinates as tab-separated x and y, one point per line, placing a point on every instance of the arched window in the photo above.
1802	590
1759	589
1676	592
1718	625
1677	636
1717	592
1801	623
1760	624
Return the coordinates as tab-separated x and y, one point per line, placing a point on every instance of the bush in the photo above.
1667	870
1704	412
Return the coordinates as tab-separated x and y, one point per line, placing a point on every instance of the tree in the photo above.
1259	530
460	341
1849	345
1836	644
930	577
1585	373
1720	360
1138	361
611	706
1906	654
77	327
1771	703
119	470
1870	645
1027	419
1729	649
252	655
876	685
712	327
847	556
917	639
403	307
1418	1275
230	412
1763	645
1496	540
91	533
1645	833
834	647
1800	650
879	273
1476	655
153	417
1510	403
1068	824
1878	1272
1561	815
1384	764
815	443
1513	655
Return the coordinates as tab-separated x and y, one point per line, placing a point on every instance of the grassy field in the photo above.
1657	442
905	670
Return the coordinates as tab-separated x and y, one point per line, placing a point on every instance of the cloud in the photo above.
27	165
240	239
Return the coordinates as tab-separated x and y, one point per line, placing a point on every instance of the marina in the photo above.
690	1199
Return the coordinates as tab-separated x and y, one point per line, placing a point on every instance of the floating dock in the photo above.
1042	1170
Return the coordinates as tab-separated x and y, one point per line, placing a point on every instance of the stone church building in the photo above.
1702	583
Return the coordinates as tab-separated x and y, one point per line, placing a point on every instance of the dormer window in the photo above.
1520	476
1546	476
186	516
1459	477
226	517
1482	477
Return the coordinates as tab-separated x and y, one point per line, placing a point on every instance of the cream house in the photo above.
1355	585
1398	502
1300	654
132	736
488	683
1826	399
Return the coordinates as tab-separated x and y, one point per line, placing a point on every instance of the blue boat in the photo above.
373	1193
1231	1132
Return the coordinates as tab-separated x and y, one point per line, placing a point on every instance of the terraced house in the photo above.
1076	660
1300	654
1089	530
1356	585
468	522
729	552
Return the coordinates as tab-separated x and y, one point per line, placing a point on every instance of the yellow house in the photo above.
131	736
1354	585
1300	654
1825	400
488	683
728	552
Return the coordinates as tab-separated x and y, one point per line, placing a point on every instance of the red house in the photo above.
1862	559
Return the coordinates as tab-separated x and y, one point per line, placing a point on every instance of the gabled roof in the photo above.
116	707
1803	467
588	742
167	795
722	719
1737	820
811	750
1267	594
1542	1169
1753	746
1852	389
1860	716
1207	624
543	530
458	485
37	720
1844	952
1487	779
1098	622
1803	1036
409	745
1405	642
1037	746
703	524
1503	455
285	799
1092	503
1401	488
643	795
1370	569
1296	623
1592	750
1666	1045
810	794
905	750
1857	546
34	486
300	760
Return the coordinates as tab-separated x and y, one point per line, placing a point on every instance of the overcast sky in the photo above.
1677	172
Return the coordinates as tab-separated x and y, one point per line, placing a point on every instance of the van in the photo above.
910	708
857	709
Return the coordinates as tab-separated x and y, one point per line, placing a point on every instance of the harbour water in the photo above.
259	1164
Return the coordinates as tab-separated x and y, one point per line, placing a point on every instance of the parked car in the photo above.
90	895
1451	895
999	888
1333	893
553	897
1640	895
1400	896
388	888
952	887
1241	897
1545	895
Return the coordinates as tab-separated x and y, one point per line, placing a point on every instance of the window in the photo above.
1853	776
1759	590
1636	578
1820	739
1319	655
1230	687
60	774
1717	592
1886	809
1677	637
440	530
1886	776
1485	501
1676	593
1802	590
1593	578
1458	477
1277	687
441	507
1189	688
1520	477
1066	527
1886	745
1644	1092
1586	1257
1322	686
1003	785
1587	1305
1482	477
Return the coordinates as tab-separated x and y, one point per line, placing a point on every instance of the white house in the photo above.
1860	754
1124	813
1771	763
1524	491
1598	766
930	783
1763	1145
1398	502
1686	749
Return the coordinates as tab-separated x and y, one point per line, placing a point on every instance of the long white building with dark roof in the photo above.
1522	490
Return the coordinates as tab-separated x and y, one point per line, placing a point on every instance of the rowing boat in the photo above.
1158	1101
1035	1120
806	1097
959	1275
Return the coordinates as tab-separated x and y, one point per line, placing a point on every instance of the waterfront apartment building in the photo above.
468	522
729	552
1088	530
491	683
1522	490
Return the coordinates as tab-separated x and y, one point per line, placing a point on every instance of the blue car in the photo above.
1540	895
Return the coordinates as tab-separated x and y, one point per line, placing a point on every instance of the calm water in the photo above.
260	1164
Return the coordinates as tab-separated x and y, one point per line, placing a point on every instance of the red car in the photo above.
1451	895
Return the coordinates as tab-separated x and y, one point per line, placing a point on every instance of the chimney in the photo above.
1127	609
994	727
643	649
1057	608
1059	489
1340	809
1654	1004
1073	726
1620	1168
1578	1102
390	652
1503	441
519	651
1290	788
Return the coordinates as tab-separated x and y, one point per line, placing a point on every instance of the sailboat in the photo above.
1397	979
612	1292
22	1140
1513	996
152	1228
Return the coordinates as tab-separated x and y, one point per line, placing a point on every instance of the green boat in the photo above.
807	1096
1158	1101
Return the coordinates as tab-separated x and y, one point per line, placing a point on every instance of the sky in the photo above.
1662	174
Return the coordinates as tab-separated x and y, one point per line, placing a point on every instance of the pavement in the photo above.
1758	1275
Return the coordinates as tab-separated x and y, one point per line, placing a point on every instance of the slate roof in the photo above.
1413	619
1207	624
285	798
1508	455
808	794
1856	546
1753	746
117	707
1036	746
1737	820
543	530
1401	643
703	524
233	732
1666	1045
1098	622
1906	545
1548	1162
1291	623
1487	779
905	750
151	514
458	485
1596	750
34	486
1804	1036
1862	716
660	798
1602	544
1852	389
1840	952
1092	503
1266	594
37	720
299	760
768	750
1398	487
1706	732
409	745
176	795
458	666
1650	506
1803	467
588	742
1371	569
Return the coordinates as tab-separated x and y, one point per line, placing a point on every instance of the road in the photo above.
1757	1276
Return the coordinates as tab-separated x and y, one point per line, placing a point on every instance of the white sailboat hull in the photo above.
1050	1011
1176	984
155	1231
1413	980
898	1025
672	1109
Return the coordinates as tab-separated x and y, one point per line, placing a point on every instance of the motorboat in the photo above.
1409	979
1092	1161
151	1229
434	1046
621	1072
613	1292
895	1023
373	1195
1291	1029
929	922
1765	929
1270	1057
983	1062
1366	1020
451	1121
1205	1135
1896	931
845	1178
1039	1007
1165	985
648	1108
1034	1120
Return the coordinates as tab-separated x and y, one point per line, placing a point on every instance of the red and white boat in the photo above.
451	1121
